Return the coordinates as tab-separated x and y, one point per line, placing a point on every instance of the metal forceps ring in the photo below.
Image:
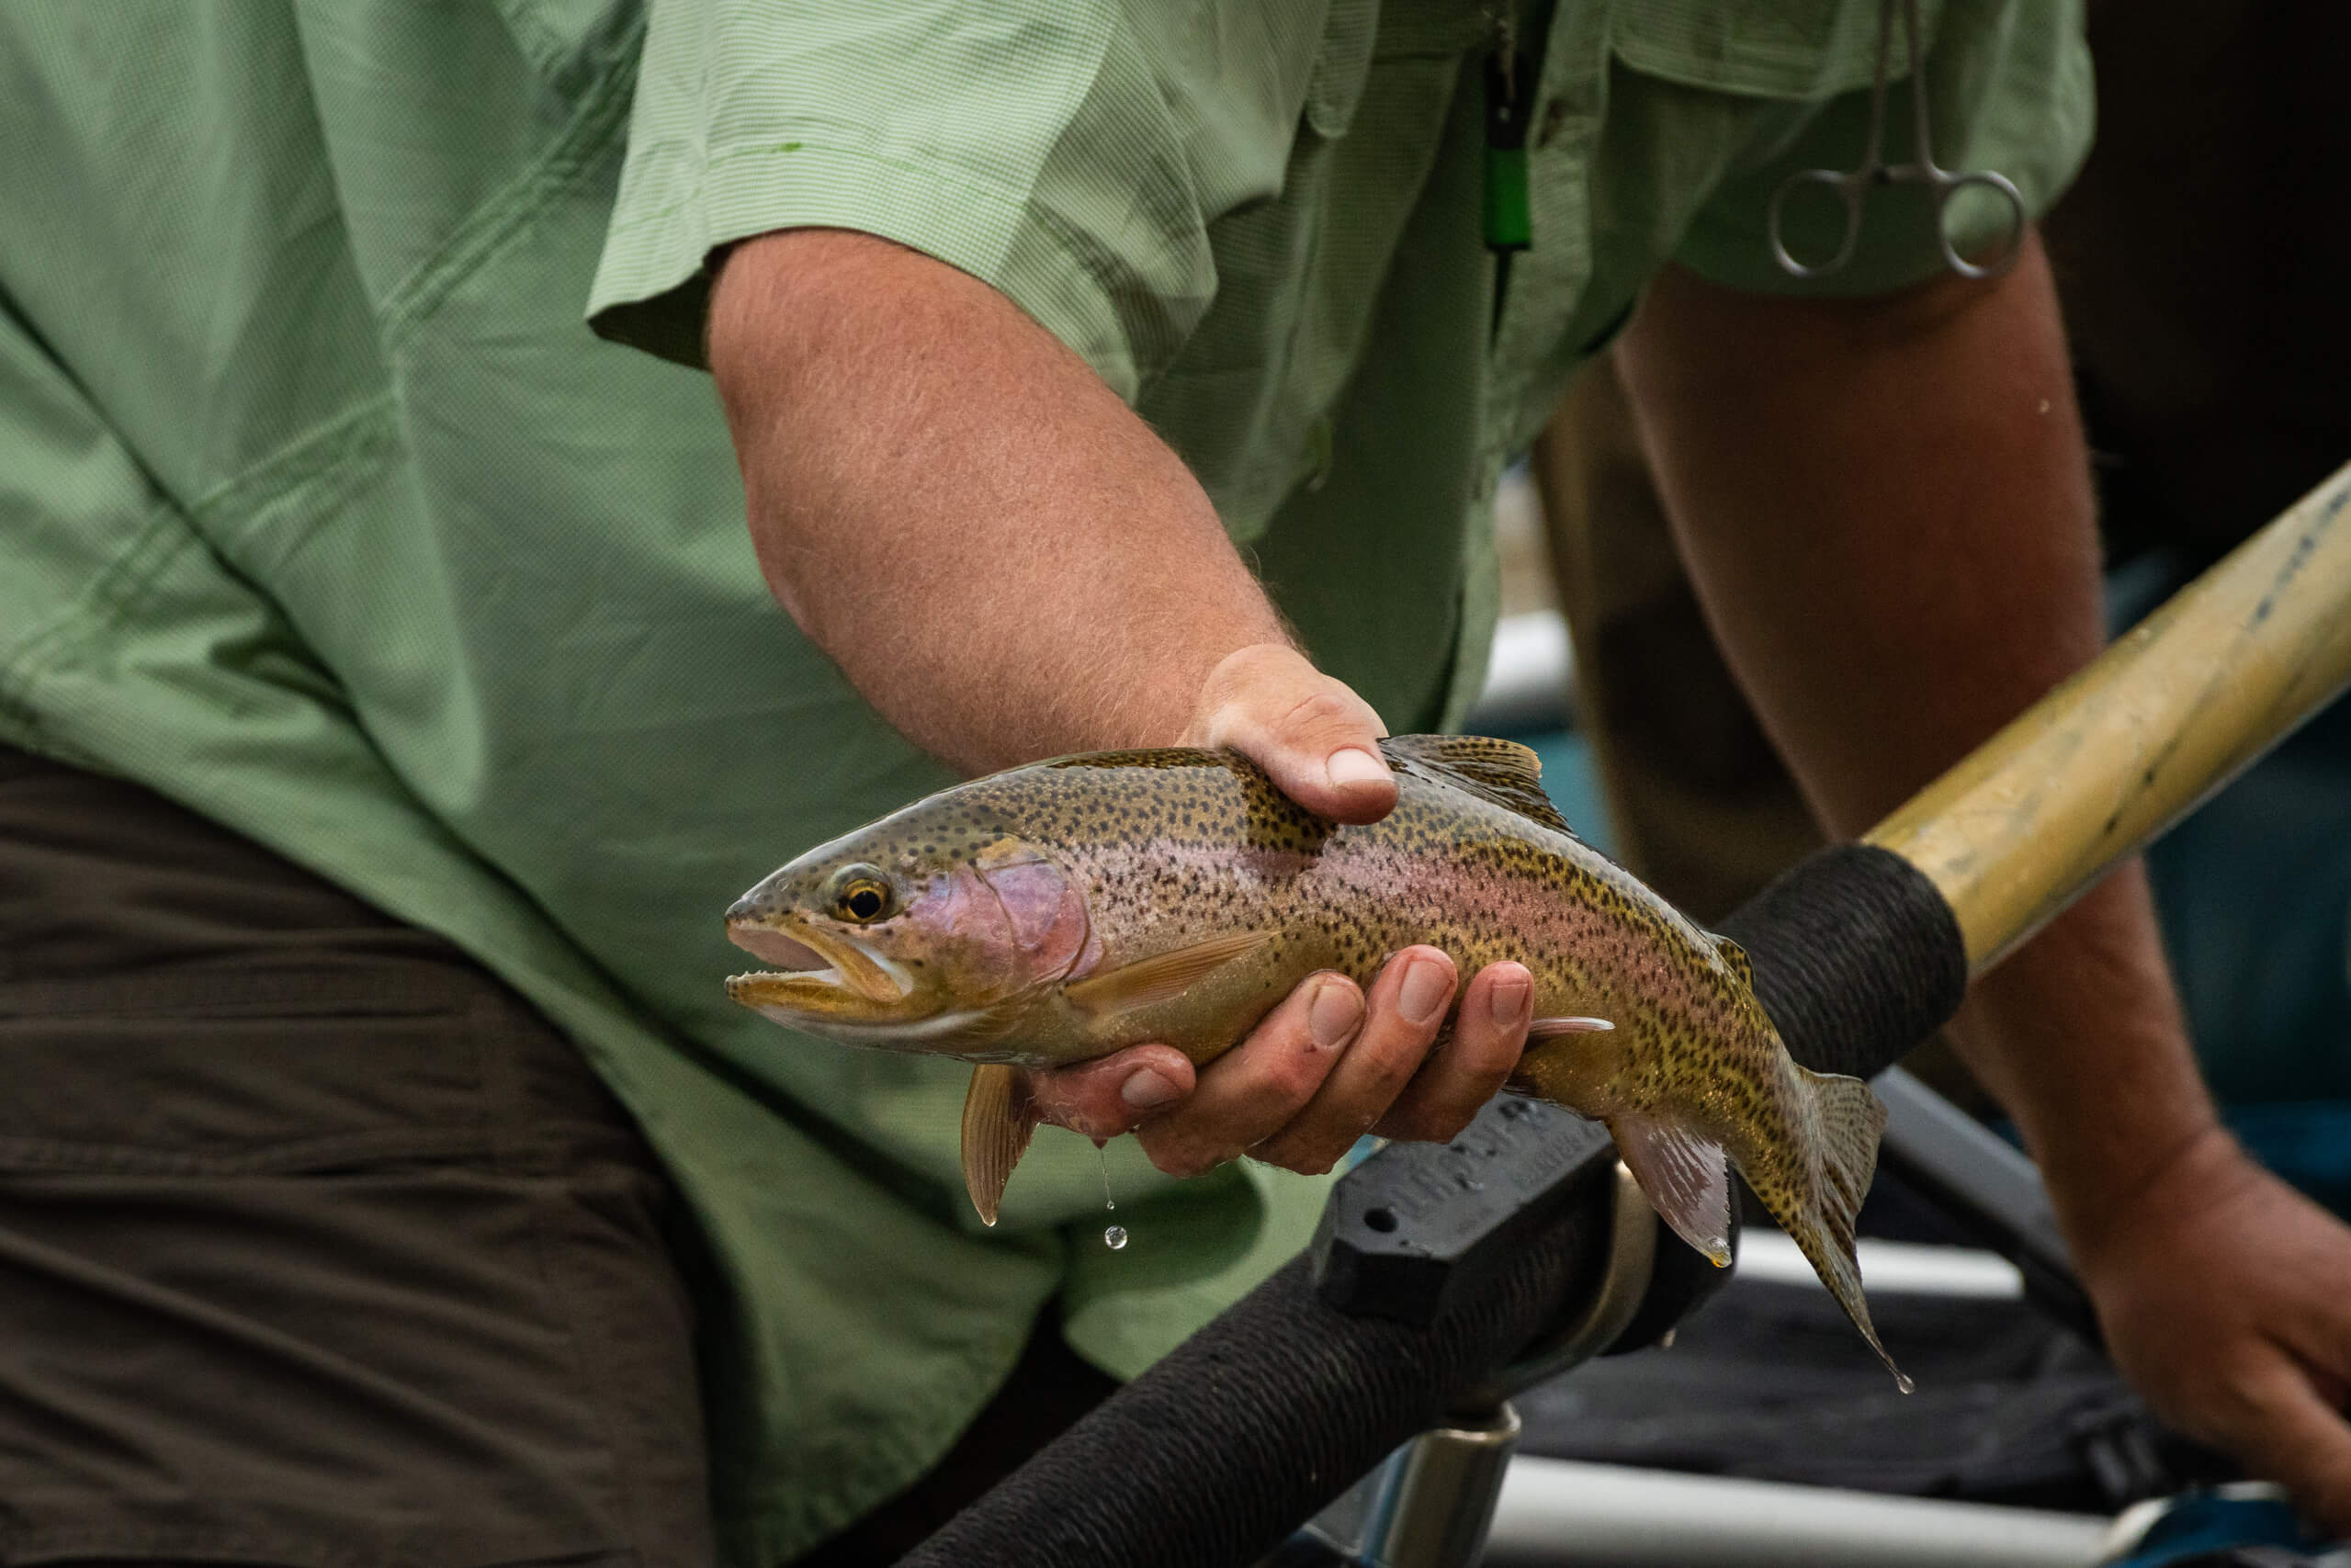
1852	185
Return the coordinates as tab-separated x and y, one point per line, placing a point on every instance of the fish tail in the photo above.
1848	1120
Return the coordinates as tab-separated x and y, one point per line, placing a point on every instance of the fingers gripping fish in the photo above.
1058	912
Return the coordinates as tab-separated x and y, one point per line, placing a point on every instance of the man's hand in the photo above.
1009	564
2222	1292
1315	737
1886	510
1329	1064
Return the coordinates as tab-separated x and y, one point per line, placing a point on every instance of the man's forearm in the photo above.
1887	513
1001	557
1009	564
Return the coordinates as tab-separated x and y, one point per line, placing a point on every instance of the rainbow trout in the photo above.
1058	912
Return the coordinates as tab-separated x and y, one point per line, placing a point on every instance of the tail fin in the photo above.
998	1119
1848	1120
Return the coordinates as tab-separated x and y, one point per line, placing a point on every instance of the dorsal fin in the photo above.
1735	956
1502	771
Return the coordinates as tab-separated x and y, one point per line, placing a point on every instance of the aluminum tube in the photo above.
1560	1514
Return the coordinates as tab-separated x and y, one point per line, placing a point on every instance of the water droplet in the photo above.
1101	1162
1114	1237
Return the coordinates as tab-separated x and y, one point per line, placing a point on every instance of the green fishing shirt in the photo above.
358	488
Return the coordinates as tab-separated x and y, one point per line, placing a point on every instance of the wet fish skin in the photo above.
1055	913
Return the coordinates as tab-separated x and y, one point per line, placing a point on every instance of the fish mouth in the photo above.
821	971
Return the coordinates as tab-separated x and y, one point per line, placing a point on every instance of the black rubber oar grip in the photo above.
1249	1426
1245	1430
1856	958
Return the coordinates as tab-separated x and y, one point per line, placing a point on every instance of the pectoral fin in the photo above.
1685	1177
997	1120
1162	977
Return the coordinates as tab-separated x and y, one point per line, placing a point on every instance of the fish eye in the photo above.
859	894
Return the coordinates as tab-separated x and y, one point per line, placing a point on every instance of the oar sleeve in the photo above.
1856	958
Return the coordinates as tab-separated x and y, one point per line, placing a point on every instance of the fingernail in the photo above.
1336	1010
1354	766
1147	1089
1426	990
1509	1002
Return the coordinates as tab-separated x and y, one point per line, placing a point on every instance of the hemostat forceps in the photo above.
1853	185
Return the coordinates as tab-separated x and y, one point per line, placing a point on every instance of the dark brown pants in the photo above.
318	1246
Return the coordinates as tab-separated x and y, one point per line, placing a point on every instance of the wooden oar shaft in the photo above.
2174	710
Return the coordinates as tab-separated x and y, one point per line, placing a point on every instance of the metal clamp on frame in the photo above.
1418	1228
1616	1300
1431	1503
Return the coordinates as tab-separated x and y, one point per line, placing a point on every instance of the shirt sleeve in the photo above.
1032	143
2008	88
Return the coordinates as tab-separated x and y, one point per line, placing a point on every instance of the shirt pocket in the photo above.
1791	48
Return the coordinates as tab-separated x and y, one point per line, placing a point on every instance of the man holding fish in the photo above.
1095	379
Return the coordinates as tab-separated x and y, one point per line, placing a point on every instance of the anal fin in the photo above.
1688	1179
997	1120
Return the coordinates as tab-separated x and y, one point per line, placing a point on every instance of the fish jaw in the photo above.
830	975
978	928
840	988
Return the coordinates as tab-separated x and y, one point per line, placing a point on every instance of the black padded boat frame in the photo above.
1439	1265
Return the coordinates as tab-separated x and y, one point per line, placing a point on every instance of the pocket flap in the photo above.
1790	49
